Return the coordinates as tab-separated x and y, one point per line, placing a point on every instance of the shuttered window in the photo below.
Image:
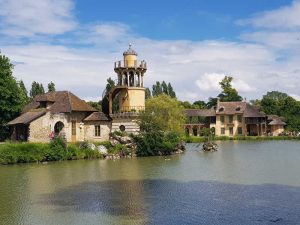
97	131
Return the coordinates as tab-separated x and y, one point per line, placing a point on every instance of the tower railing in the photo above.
123	64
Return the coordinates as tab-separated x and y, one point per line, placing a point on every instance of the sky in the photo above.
191	43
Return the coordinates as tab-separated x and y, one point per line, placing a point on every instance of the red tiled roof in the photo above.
97	116
28	117
63	101
200	112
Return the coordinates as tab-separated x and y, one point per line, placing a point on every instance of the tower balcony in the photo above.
131	64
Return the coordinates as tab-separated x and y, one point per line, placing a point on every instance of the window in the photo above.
239	118
222	119
240	130
230	119
222	130
97	130
73	127
230	130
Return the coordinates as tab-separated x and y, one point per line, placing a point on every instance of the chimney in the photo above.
218	104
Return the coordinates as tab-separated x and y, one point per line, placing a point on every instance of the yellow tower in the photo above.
129	86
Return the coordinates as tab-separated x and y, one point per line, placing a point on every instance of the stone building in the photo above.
63	113
59	113
232	119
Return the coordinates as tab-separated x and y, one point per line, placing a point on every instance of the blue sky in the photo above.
191	43
174	20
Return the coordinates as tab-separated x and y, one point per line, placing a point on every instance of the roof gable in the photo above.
63	101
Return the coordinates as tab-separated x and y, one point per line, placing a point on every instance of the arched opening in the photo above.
122	128
58	127
187	131
213	131
195	131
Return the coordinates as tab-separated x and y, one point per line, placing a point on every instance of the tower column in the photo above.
127	77
139	79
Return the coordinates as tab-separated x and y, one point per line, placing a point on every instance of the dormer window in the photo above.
221	109
238	108
43	104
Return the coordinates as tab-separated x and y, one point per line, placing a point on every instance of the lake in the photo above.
245	182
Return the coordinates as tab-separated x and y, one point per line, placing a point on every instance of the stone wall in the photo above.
130	124
40	129
89	130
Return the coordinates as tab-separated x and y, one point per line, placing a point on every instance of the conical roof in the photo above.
130	51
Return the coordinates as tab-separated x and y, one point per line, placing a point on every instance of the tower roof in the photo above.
130	51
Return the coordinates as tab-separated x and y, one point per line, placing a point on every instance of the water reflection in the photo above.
172	202
153	190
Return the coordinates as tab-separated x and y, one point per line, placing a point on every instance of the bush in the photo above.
22	152
57	149
156	142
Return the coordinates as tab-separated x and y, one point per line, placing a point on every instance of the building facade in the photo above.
63	113
233	119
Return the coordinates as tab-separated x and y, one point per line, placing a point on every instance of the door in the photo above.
73	137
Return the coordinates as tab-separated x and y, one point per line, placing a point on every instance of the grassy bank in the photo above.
11	153
194	139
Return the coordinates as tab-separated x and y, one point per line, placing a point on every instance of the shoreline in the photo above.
200	139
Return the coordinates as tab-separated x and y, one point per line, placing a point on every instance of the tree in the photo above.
229	94
186	104
211	102
171	92
51	87
156	89
36	89
110	84
166	112
96	105
276	95
160	126
147	93
164	88
11	100
199	104
23	93
281	104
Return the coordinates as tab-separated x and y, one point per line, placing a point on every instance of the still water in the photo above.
243	183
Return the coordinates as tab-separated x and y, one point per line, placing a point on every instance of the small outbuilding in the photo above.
59	113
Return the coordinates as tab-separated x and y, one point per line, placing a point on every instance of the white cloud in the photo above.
210	81
297	97
194	68
26	18
276	39
287	17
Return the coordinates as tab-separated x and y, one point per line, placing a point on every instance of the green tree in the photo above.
164	88
211	102
51	87
147	93
166	112
11	100
160	126
96	105
281	104
186	105
276	95
171	92
36	89
156	89
228	94
199	104
23	93
110	84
